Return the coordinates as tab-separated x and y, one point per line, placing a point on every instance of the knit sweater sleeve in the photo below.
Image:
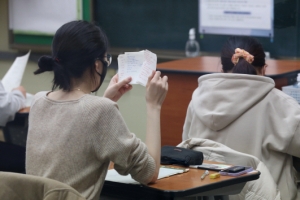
113	141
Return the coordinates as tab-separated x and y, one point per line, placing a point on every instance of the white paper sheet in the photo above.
134	62
29	99
121	66
14	75
148	66
114	176
137	65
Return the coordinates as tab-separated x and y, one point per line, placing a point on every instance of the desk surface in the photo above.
209	64
180	185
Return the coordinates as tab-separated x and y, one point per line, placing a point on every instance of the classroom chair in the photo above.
15	186
12	151
263	188
15	132
12	158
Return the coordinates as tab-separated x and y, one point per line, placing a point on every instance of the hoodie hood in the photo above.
221	98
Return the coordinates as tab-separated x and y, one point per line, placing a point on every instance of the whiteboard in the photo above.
42	16
236	17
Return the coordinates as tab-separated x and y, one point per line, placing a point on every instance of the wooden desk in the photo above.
183	75
180	185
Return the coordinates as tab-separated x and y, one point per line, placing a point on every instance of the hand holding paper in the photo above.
117	88
157	88
137	65
21	89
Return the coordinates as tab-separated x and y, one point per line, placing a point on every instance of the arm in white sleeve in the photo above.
10	103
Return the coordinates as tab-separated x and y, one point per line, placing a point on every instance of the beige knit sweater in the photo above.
74	142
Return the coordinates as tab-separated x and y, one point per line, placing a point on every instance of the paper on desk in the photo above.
137	65
29	99
114	176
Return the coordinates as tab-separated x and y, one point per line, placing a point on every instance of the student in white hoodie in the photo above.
242	109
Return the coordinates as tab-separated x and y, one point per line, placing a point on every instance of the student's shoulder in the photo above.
281	97
39	95
99	102
98	107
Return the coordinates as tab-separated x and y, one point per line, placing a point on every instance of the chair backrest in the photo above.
12	157
15	186
263	188
12	151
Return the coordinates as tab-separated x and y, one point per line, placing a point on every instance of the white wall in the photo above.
4	27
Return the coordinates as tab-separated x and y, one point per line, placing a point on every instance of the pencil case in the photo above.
180	156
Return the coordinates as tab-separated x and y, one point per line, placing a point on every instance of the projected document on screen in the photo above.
236	17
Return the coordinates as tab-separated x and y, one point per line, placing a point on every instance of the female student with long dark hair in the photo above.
73	135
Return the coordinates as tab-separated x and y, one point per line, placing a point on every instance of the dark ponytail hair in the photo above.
75	47
243	67
249	44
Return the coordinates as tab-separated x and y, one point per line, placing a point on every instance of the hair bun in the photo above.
45	63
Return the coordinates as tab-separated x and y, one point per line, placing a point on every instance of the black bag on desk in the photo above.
180	156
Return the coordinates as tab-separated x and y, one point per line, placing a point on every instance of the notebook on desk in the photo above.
114	176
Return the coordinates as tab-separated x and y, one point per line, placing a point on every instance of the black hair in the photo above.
75	47
249	44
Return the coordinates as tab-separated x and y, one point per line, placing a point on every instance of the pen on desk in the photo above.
204	174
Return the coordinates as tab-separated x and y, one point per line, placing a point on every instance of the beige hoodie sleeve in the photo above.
187	122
